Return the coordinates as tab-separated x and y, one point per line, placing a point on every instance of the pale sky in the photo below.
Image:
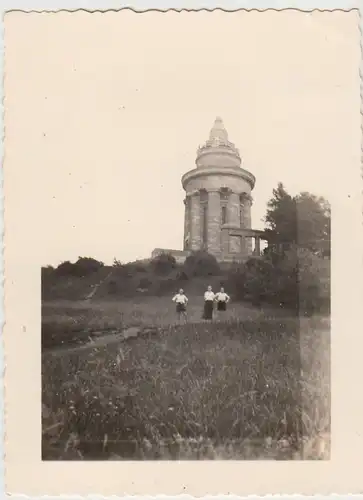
105	113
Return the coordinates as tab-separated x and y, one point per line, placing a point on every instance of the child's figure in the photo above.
222	300
181	301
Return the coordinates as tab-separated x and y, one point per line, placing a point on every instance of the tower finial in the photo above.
218	132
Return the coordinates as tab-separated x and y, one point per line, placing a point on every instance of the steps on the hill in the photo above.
96	287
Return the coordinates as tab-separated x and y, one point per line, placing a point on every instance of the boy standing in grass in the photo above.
181	301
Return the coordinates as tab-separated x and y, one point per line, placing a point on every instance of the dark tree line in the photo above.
302	221
294	271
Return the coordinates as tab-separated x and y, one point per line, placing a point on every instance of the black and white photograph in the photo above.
187	171
191	321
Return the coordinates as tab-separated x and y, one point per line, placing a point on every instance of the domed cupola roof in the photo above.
218	150
218	134
218	159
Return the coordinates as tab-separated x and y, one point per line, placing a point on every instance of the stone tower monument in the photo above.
218	200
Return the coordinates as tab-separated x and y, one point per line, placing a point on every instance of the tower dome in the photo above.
218	151
218	133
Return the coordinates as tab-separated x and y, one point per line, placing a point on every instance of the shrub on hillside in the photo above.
87	265
313	280
83	267
252	281
112	287
201	264
132	268
294	279
182	276
140	268
65	268
144	284
47	273
47	280
167	286
163	264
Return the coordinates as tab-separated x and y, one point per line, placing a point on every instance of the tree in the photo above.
313	223
65	268
280	218
163	263
302	220
201	263
87	265
296	279
83	267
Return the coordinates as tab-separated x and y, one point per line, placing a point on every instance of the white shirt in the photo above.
180	299
209	295
222	297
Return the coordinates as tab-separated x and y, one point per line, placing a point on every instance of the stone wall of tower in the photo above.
203	224
195	222
211	181
186	245
246	220
234	209
214	222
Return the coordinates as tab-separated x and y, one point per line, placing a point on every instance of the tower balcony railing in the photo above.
221	145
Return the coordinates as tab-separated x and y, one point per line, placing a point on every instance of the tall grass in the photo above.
251	387
67	322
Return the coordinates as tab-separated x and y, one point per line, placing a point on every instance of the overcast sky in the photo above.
110	109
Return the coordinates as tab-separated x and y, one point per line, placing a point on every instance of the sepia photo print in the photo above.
182	206
185	309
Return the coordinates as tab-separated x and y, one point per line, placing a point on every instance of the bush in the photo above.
47	274
295	279
83	267
140	268
47	279
167	286
112	287
144	284
182	276
163	264
252	281
201	264
66	268
87	265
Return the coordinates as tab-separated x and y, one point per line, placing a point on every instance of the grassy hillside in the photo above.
112	282
253	386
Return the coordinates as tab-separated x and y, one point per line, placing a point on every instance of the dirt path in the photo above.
96	287
103	340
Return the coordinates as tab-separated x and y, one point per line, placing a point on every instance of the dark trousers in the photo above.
208	309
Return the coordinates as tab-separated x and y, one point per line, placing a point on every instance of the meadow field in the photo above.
253	385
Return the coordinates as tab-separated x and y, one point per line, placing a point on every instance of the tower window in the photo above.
224	215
